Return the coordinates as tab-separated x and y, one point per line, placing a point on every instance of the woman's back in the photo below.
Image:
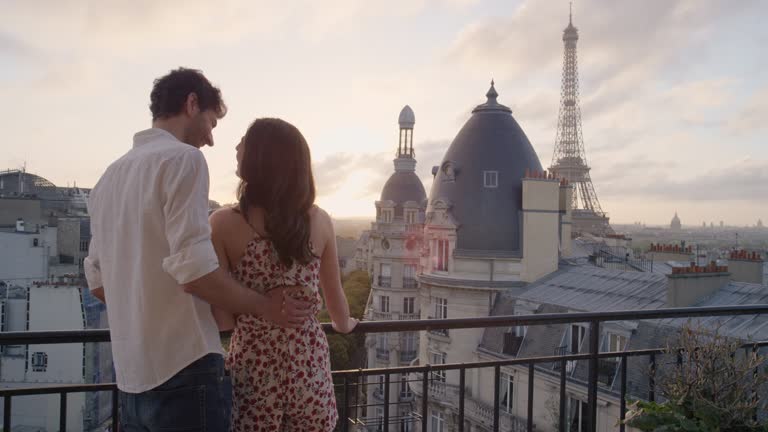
285	371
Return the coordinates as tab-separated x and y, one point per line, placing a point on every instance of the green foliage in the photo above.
346	350
712	391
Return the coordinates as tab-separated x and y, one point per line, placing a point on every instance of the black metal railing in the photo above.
410	283
385	281
428	378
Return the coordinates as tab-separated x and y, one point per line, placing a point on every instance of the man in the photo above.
152	261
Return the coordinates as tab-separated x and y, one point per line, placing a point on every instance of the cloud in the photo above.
746	180
752	116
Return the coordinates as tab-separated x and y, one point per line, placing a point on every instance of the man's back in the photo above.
150	235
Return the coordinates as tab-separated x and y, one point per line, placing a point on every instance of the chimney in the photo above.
687	286
19	225
665	252
746	266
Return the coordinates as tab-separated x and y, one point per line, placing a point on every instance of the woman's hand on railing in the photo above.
345	327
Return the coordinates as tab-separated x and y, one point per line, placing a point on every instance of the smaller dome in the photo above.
402	187
407	119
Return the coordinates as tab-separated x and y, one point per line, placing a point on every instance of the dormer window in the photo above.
490	179
443	253
387	215
410	216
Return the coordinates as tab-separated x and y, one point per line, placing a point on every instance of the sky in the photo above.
674	94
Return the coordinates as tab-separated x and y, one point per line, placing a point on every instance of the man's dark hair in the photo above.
170	92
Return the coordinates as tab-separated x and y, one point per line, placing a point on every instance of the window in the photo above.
442	255
409	342
577	416
35	242
491	179
410	216
438	358
614	342
405	389
576	338
386	215
382	341
39	362
84	245
384	303
409	305
409	276
379	419
405	422
505	392
441	308
438	422
385	275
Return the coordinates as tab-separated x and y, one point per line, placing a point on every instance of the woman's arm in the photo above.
330	280
225	320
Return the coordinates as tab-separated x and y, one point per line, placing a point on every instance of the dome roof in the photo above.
491	140
403	186
407	119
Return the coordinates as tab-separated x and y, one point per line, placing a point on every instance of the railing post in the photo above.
462	383
623	401
563	365
7	413
496	392
62	411
425	397
594	349
652	379
530	396
386	402
115	403
345	407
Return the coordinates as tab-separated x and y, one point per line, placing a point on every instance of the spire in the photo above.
570	13
492	94
492	104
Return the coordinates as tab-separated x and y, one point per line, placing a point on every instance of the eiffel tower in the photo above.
569	160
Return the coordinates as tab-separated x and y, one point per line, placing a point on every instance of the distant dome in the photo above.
491	140
403	186
407	119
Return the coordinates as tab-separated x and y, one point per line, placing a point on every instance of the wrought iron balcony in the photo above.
410	283
438	331
382	353
424	385
385	281
408	356
409	316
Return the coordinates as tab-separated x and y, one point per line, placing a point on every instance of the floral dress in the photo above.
281	377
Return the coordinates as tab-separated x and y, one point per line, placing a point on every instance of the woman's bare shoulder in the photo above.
225	217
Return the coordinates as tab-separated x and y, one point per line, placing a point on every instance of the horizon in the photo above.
672	96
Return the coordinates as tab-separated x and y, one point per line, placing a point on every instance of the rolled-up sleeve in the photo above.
186	219
92	266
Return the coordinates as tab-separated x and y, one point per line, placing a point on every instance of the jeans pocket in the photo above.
178	410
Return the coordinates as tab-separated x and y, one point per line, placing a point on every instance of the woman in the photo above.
277	237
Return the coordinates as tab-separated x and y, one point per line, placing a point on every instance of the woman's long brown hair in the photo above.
276	175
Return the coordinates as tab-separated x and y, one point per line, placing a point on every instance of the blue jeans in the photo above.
197	399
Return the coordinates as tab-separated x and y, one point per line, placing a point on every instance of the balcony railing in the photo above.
424	385
382	353
385	281
409	316
438	331
408	356
409	283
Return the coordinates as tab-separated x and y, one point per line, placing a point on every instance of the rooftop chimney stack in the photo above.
687	286
746	266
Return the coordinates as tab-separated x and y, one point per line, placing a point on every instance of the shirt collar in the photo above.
151	134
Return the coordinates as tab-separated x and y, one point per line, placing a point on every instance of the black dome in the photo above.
491	140
401	187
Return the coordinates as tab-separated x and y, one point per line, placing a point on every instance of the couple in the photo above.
172	280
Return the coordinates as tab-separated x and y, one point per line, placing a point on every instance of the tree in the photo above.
714	388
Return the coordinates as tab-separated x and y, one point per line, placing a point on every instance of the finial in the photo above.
492	95
570	13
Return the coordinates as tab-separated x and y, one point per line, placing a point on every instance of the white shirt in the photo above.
149	222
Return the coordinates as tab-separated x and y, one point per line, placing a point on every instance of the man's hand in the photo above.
286	311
